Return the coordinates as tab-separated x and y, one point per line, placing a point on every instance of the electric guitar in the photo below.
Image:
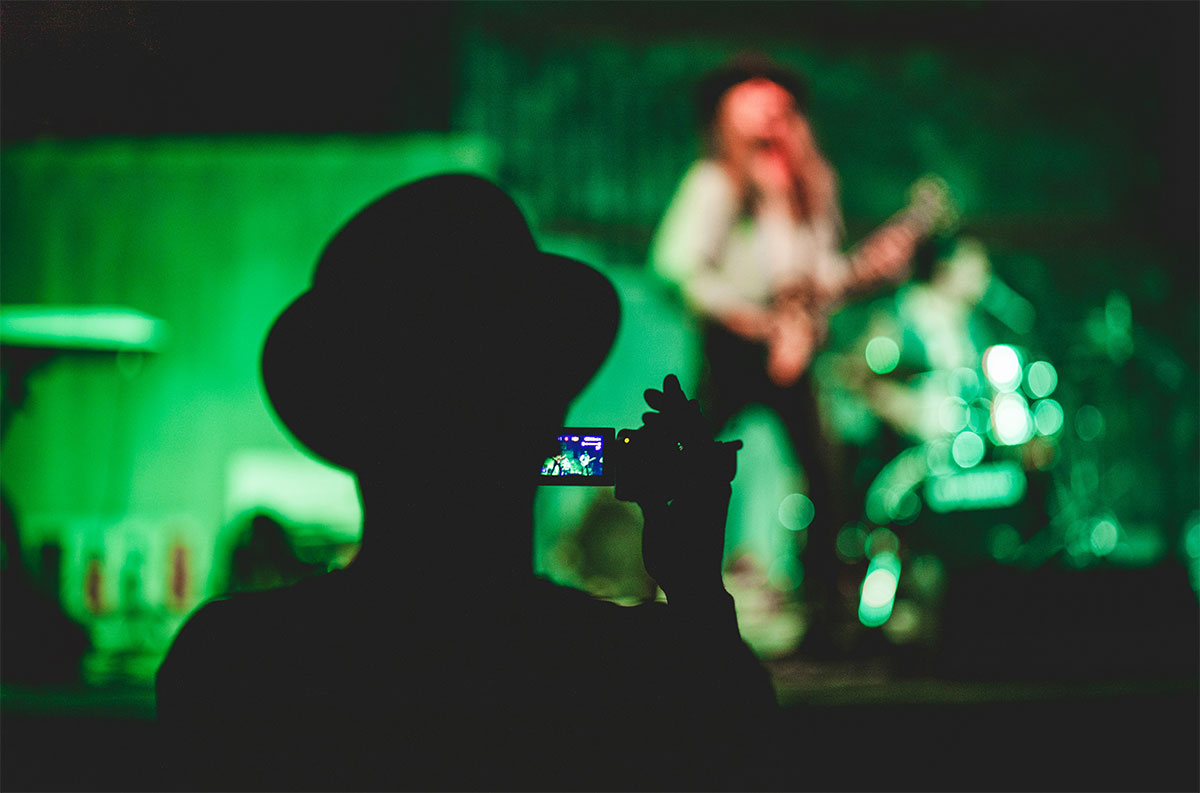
802	311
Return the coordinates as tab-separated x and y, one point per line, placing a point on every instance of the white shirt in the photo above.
722	259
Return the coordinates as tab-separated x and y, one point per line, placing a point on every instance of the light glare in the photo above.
796	512
1041	379
967	450
1011	421
1002	366
879	588
1048	416
878	594
1103	538
882	354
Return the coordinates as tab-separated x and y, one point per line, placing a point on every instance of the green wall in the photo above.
117	457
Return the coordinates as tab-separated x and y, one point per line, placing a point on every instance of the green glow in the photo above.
1041	378
1003	542
891	495
1089	422
879	588
80	327
1047	416
1138	545
1190	545
186	248
878	593
1103	537
882	354
851	542
965	383
1118	314
953	414
968	450
1191	537
882	541
979	420
784	576
938	456
984	487
796	512
1011	423
1002	365
905	624
927	575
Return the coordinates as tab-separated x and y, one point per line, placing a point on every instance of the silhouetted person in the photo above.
752	239
263	557
39	642
436	659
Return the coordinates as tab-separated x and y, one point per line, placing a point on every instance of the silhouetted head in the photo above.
433	333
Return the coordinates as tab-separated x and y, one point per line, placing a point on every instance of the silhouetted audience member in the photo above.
39	643
263	557
437	660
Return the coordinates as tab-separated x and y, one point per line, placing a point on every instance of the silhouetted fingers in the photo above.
655	399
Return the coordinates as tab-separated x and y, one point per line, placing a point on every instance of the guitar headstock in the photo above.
930	205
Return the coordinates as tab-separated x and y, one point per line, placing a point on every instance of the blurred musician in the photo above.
752	238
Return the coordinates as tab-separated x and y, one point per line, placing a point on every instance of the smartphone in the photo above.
584	456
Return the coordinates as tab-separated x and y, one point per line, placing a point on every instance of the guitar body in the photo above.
802	312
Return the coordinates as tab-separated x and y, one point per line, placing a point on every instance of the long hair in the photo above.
815	192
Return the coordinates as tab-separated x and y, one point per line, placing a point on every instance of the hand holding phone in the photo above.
686	506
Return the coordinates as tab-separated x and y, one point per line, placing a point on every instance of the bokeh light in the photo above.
1089	422
906	622
851	542
953	414
1041	378
882	354
882	540
965	383
1002	365
1047	416
1190	546
878	594
968	450
1103	537
1191	537
979	420
938	456
879	588
796	512
1011	423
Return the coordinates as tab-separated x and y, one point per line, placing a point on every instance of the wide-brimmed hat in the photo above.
432	296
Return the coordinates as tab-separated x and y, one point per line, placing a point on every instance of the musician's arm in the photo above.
883	257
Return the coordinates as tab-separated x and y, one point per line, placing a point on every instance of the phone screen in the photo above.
580	457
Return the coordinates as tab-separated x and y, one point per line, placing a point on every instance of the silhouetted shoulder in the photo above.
522	691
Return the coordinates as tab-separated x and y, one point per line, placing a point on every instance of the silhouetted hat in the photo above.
433	295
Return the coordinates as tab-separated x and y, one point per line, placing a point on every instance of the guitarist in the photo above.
753	240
